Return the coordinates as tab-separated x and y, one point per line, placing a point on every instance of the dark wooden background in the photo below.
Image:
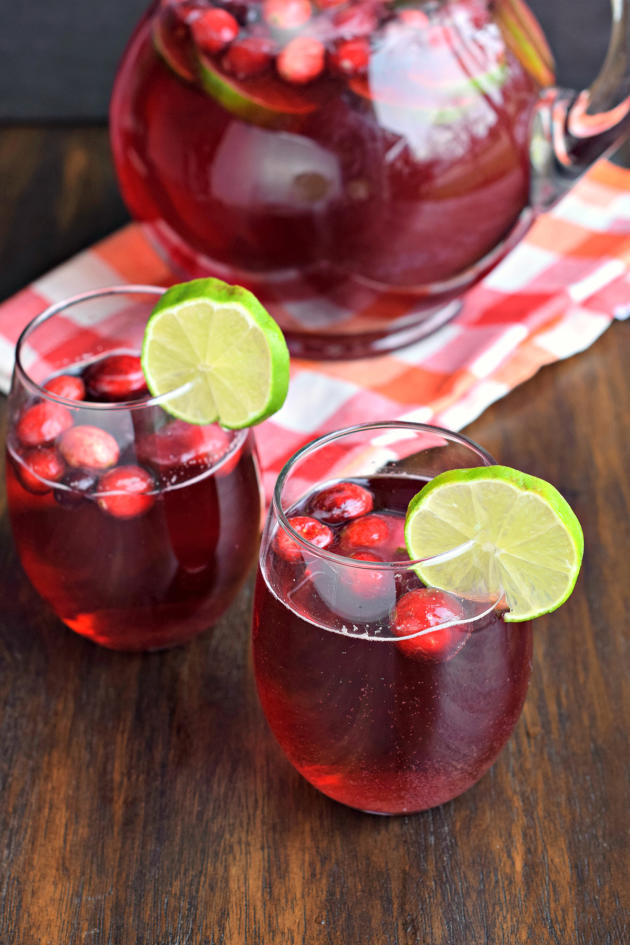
142	798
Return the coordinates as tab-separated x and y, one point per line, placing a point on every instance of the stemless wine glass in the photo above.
137	528
386	695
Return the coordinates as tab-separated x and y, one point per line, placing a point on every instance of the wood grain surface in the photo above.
143	800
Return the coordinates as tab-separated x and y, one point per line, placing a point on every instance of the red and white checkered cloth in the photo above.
549	299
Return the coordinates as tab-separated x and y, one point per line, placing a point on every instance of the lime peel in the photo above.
496	531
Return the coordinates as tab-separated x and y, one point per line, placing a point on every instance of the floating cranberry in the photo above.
126	491
67	386
351	57
369	531
382	531
416	19
42	423
183	444
89	447
301	60
328	4
341	502
287	14
40	468
79	484
308	528
214	29
116	377
427	607
248	57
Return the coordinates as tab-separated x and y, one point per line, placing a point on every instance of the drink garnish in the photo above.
496	531
126	491
66	386
426	607
525	39
220	350
116	377
268	102
42	423
307	528
341	502
88	447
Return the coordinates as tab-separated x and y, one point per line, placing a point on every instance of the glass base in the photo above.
352	346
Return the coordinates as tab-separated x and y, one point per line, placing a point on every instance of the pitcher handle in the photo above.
571	130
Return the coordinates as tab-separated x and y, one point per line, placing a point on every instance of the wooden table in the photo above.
144	801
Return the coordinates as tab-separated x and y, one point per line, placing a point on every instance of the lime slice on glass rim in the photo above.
222	348
509	534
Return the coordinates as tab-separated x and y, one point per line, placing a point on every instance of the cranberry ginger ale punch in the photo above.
399	574
132	474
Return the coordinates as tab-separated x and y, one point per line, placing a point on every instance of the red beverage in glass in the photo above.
387	696
136	528
335	158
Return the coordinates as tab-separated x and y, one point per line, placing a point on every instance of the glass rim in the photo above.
69	302
342	560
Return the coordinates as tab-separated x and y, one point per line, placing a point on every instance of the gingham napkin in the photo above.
550	298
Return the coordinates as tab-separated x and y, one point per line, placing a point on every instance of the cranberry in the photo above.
40	467
382	531
416	19
328	4
67	386
351	57
301	60
369	531
115	377
126	491
341	502
89	446
428	607
214	29
183	444
308	528
42	423
79	484
248	57
286	14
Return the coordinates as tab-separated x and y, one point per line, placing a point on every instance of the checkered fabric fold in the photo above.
552	297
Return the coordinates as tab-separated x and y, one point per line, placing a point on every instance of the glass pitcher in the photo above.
358	164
